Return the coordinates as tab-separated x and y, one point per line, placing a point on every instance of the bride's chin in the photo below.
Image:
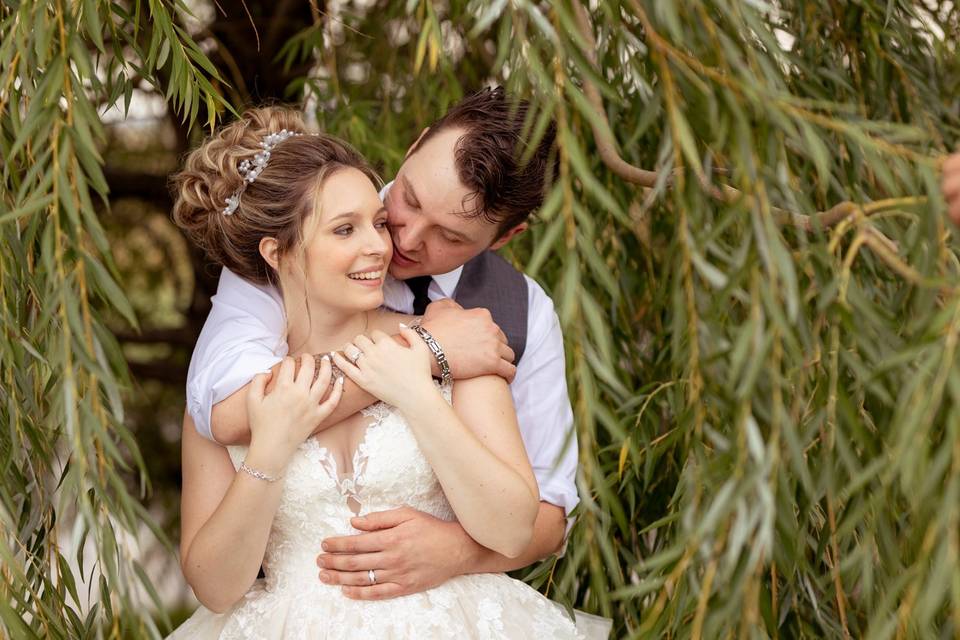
370	303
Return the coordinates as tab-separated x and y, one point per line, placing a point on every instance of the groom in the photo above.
459	194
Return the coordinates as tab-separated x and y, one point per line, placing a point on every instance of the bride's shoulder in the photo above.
389	321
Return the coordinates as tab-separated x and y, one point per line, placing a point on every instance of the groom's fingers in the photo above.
506	370
506	353
382	519
352	562
360	543
379	591
354	578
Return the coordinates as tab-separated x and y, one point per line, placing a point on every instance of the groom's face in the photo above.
428	209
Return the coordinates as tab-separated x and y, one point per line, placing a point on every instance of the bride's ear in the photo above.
270	250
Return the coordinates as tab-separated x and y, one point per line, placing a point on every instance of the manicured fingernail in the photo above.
326	356
340	380
325	547
325	577
320	562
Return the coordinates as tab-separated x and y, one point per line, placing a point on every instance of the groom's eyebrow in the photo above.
410	192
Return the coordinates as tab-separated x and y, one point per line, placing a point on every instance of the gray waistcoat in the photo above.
490	281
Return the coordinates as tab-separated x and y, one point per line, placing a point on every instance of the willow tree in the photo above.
745	244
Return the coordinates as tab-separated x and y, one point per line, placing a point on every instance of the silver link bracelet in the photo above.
437	350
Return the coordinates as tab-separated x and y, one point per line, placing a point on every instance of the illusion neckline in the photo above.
350	484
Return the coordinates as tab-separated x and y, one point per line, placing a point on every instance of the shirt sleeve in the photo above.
242	336
543	405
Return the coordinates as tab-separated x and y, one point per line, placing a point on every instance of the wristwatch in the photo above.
437	350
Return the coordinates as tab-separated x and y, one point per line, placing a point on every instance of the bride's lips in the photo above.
401	260
368	282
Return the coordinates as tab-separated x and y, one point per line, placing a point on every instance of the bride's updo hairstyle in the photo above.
276	204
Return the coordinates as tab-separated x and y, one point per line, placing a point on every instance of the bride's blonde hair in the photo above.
275	205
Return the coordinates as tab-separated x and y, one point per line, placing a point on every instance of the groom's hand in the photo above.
471	340
409	551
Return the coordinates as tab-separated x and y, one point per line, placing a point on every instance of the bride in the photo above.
301	211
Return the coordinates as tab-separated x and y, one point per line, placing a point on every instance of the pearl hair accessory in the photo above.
251	169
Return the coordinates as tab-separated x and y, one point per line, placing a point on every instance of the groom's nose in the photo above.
409	237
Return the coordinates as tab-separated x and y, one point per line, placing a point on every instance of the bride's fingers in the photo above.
327	406
307	367
363	342
321	381
351	370
255	392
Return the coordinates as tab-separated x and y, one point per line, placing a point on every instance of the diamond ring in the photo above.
372	576
352	353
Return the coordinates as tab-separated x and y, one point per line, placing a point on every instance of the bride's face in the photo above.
346	246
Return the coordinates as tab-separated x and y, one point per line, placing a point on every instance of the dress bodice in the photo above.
317	500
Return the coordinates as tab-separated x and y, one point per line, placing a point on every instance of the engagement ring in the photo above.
352	353
372	576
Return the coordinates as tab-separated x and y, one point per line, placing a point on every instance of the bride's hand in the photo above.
281	419
388	370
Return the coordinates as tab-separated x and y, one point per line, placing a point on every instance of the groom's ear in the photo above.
505	238
270	250
416	143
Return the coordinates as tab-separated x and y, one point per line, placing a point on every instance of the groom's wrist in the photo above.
470	553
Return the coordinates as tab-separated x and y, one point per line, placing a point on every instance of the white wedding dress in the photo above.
389	471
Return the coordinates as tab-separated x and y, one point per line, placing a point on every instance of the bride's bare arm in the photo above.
478	455
220	557
226	514
474	447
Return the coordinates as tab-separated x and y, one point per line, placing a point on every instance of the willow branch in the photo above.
606	143
606	146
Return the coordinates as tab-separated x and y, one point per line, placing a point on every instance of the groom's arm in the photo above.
411	551
473	343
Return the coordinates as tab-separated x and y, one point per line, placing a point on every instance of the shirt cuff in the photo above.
206	390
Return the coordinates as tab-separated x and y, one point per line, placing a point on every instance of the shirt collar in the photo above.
448	281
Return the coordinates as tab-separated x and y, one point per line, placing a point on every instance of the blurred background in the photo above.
746	247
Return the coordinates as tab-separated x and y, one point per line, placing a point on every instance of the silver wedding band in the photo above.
372	576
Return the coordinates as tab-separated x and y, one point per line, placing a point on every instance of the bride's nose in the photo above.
376	243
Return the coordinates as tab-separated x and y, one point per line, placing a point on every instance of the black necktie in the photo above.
419	286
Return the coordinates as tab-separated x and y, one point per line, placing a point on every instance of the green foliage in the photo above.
65	449
746	250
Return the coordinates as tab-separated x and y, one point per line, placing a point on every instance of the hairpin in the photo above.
251	169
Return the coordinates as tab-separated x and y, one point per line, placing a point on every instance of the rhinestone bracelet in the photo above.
259	475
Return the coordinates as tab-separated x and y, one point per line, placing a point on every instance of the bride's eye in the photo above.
345	230
381	224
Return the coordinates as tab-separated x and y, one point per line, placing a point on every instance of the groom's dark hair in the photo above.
492	157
